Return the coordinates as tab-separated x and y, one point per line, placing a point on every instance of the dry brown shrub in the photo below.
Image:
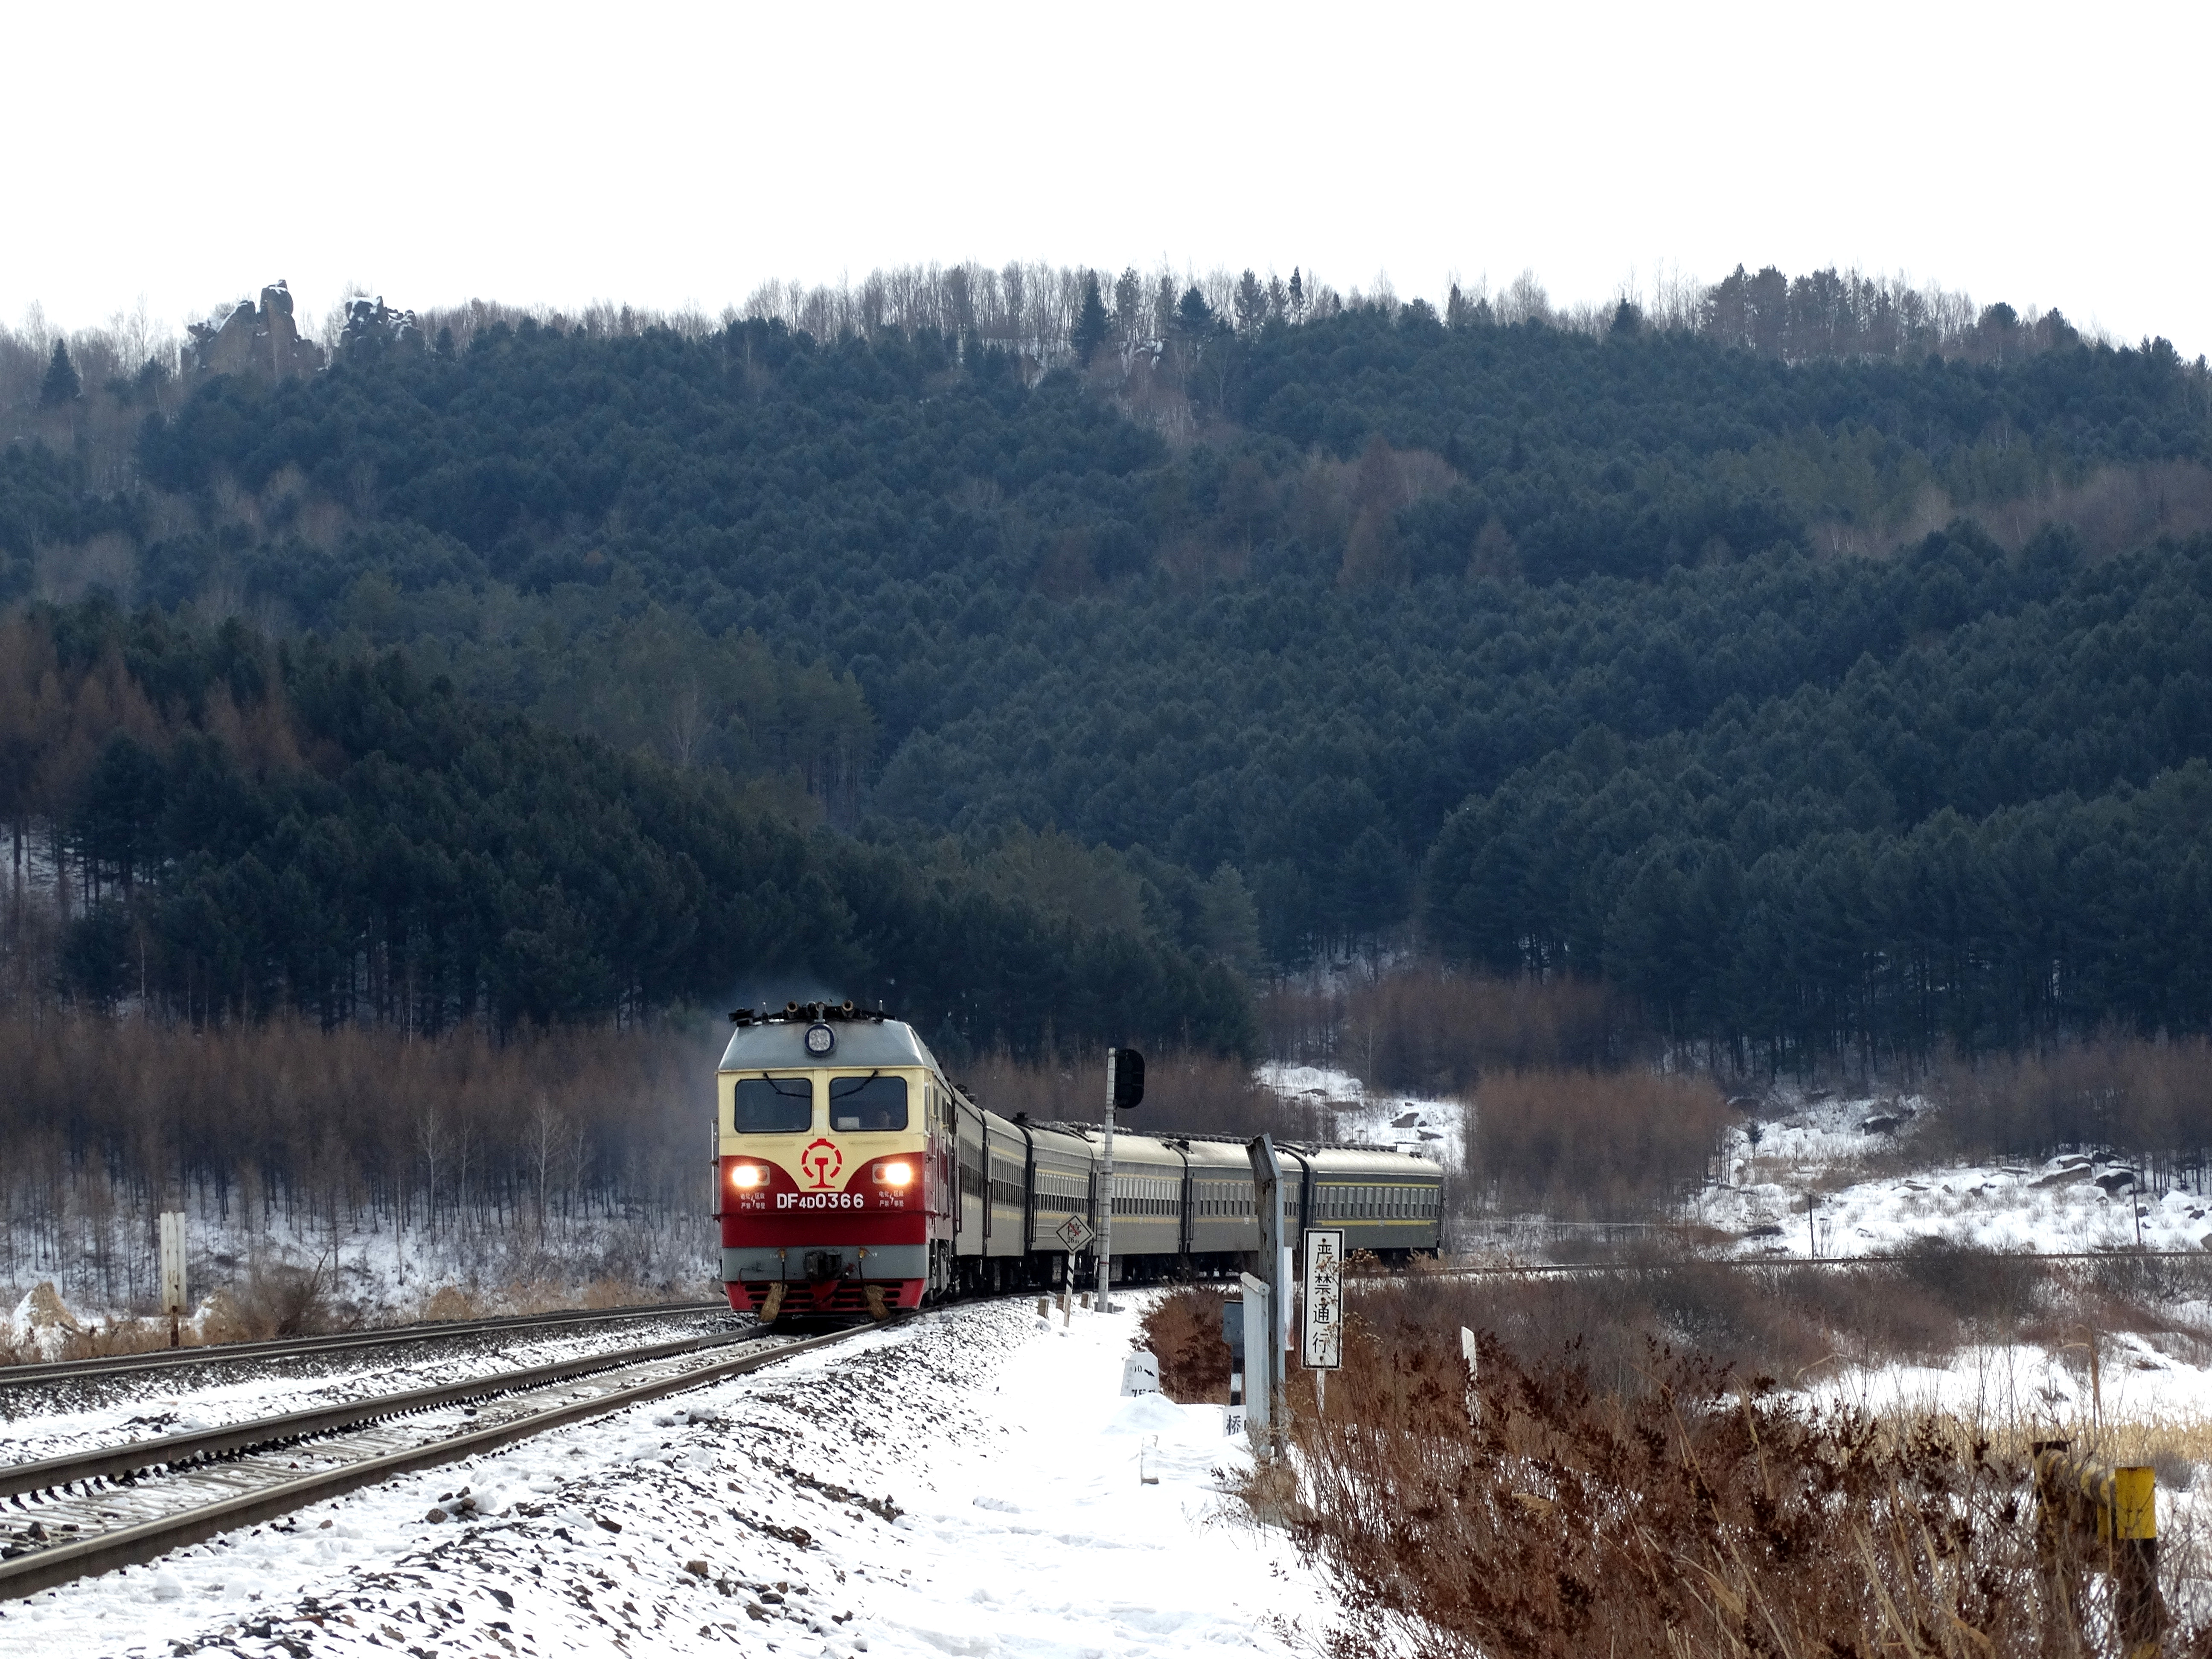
1183	1331
220	1321
282	1299
2151	1100
1604	1145
449	1303
1694	1516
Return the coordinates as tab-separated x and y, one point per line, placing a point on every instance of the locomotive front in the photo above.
830	1195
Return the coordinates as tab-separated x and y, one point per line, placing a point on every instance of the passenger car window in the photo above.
775	1105
867	1102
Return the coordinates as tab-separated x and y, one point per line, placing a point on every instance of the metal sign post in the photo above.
1267	1375
172	1270
1106	1197
1074	1233
1323	1348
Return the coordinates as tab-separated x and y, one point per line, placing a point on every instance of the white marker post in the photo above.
172	1270
1324	1308
1259	1329
1467	1353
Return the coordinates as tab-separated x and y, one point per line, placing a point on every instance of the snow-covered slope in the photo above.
1405	1123
1828	1153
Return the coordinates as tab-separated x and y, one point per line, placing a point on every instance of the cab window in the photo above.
867	1102
775	1105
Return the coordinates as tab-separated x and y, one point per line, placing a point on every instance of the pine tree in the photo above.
62	384
1250	303
1091	324
1128	305
1193	316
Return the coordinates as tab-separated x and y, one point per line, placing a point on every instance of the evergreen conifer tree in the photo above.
1193	316
1091	324
62	386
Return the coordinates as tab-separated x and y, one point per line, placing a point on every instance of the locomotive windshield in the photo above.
867	1102
775	1105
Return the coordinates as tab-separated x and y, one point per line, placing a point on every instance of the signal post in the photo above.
1124	1089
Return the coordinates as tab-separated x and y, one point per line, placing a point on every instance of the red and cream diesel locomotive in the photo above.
854	1177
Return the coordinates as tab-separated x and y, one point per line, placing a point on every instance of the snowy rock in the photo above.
42	1322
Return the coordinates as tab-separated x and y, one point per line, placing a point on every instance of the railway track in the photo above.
91	1512
14	1376
1774	1263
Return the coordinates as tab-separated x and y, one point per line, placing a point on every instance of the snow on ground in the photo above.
2148	1387
966	1483
2077	1203
1375	1117
366	1267
82	1413
2138	1381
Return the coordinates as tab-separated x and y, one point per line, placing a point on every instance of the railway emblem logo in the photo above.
821	1162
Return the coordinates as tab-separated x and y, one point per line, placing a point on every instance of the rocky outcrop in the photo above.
372	327
254	339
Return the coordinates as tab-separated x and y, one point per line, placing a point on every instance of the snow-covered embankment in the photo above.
966	1484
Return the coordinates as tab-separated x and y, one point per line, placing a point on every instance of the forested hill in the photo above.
1832	703
233	829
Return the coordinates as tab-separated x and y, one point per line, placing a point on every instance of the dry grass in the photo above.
1694	1515
1644	1478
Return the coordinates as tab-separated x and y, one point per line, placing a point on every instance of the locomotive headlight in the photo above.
895	1175
746	1177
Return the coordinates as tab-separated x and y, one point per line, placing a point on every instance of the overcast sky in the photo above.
664	155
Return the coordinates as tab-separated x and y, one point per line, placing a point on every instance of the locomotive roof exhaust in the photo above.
806	1013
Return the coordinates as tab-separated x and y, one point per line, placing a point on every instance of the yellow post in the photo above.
2138	1608
2117	1509
2134	1503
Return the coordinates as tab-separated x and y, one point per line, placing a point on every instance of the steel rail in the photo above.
283	1347
195	1445
1772	1262
27	1575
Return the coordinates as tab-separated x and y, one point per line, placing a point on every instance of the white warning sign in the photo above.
1324	1321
